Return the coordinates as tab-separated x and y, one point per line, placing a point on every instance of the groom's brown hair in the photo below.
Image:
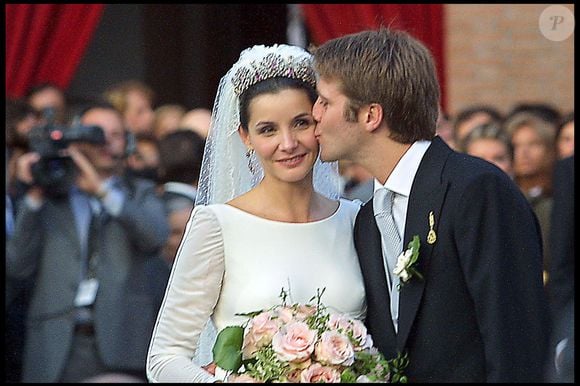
390	68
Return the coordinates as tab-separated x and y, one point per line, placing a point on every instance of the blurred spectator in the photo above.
472	116
562	347
565	136
181	154
20	119
178	208
135	100
533	142
541	110
198	120
49	101
94	255
167	119
9	219
17	294
490	142
560	285
444	129
358	182
143	160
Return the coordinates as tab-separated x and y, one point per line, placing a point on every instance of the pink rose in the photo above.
294	342
297	313
285	315
304	311
334	348
339	321
300	365
320	374
293	375
353	328
259	333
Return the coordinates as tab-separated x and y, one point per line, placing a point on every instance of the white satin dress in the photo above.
231	261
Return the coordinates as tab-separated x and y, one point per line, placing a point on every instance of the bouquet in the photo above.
303	343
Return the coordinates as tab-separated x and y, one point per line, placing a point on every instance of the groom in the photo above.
475	310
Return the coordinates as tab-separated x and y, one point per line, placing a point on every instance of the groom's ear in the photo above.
244	136
372	116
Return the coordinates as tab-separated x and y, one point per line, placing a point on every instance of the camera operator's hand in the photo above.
88	179
24	174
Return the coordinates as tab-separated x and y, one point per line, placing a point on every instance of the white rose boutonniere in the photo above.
404	267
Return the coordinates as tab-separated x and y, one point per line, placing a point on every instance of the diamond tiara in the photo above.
273	65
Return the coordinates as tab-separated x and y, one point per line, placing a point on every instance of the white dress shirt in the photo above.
400	181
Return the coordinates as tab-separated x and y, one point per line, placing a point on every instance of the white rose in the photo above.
404	275
402	262
363	379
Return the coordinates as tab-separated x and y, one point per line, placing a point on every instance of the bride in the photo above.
267	215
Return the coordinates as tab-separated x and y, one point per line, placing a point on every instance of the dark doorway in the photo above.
192	46
180	50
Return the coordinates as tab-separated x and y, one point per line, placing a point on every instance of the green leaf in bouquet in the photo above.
227	350
348	376
250	314
397	366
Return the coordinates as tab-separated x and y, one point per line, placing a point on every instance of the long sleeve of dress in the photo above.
192	293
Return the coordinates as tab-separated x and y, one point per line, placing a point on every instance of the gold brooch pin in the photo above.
432	236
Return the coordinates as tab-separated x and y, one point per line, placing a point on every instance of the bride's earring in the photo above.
251	160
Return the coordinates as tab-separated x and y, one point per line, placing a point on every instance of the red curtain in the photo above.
45	43
424	21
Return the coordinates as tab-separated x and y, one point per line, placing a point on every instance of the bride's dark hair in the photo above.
271	86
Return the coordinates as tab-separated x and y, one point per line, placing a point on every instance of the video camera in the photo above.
55	172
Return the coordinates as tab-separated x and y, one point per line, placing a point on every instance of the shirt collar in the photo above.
401	179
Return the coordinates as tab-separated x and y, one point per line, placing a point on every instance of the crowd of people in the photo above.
103	201
97	194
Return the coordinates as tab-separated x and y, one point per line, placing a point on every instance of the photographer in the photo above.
93	251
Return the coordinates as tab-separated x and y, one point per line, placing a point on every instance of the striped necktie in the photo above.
391	242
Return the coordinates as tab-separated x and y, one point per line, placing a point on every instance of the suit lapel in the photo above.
427	195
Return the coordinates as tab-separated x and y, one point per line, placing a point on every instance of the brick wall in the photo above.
497	55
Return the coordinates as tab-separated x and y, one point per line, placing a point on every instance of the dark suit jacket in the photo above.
561	241
479	314
46	247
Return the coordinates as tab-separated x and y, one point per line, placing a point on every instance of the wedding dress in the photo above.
231	261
